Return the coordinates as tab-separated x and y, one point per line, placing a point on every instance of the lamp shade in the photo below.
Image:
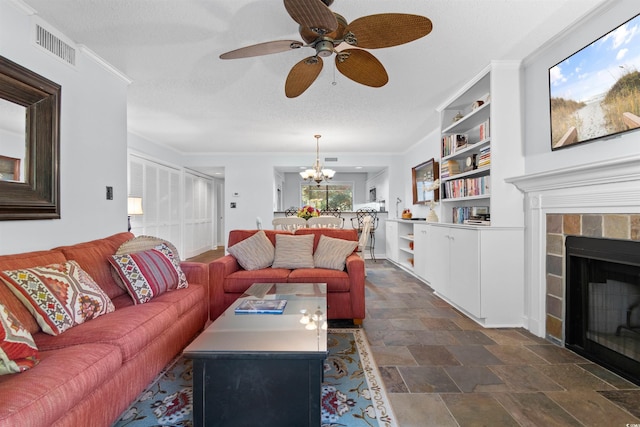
134	206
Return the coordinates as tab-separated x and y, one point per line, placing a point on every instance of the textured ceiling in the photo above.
184	96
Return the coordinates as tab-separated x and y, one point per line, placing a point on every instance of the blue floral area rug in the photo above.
353	393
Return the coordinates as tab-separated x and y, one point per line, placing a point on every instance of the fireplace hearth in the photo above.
602	321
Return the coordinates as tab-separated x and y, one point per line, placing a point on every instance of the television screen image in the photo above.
595	92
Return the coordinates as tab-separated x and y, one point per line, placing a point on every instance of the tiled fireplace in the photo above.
599	200
593	288
559	226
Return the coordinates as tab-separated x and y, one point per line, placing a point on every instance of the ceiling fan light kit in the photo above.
324	30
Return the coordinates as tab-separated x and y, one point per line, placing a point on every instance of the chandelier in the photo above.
317	173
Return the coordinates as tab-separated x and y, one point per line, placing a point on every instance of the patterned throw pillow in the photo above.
255	252
18	352
332	253
59	296
293	251
165	250
149	273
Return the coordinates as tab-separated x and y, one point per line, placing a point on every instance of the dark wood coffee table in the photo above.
261	369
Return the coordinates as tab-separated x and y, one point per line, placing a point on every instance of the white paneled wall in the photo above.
177	205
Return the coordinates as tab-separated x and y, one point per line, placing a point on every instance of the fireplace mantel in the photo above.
615	171
606	187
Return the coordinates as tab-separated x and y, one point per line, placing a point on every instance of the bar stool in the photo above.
358	224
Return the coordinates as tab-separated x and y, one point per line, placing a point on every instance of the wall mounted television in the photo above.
595	93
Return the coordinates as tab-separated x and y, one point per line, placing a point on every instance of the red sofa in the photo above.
89	374
345	289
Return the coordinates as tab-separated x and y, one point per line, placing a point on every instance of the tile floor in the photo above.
442	369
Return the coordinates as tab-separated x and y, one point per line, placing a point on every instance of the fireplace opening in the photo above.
602	321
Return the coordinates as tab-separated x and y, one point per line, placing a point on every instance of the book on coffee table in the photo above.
261	306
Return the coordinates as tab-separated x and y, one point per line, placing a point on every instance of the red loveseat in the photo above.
345	289
89	374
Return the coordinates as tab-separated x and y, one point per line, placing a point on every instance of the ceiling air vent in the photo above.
54	45
330	159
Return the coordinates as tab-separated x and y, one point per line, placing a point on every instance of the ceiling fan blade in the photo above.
259	49
361	67
302	75
388	29
312	14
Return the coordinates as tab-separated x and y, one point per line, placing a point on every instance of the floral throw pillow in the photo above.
59	296
18	351
149	273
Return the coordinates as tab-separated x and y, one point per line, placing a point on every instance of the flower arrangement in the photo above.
307	212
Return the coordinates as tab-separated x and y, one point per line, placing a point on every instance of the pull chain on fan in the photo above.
323	30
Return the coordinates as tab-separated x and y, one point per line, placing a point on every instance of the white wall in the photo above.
424	150
538	154
244	175
93	143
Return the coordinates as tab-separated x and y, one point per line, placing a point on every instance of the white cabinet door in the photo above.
391	238
464	278
438	260
421	251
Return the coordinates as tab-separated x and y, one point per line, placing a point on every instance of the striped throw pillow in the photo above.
147	274
294	251
332	253
255	252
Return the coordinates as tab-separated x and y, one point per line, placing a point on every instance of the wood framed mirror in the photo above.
423	176
35	193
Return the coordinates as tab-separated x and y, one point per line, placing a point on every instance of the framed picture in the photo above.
424	176
9	169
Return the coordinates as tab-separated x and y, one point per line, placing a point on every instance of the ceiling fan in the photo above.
324	31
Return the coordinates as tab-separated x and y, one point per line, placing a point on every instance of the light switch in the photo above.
109	193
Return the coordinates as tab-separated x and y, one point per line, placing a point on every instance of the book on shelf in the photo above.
484	156
261	306
449	168
477	222
484	130
453	143
467	187
467	215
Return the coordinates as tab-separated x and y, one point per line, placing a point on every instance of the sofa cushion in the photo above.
239	281
60	296
62	379
93	257
18	352
337	281
130	329
255	252
293	252
332	253
184	299
148	274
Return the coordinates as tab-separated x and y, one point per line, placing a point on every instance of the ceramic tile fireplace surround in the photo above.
598	203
